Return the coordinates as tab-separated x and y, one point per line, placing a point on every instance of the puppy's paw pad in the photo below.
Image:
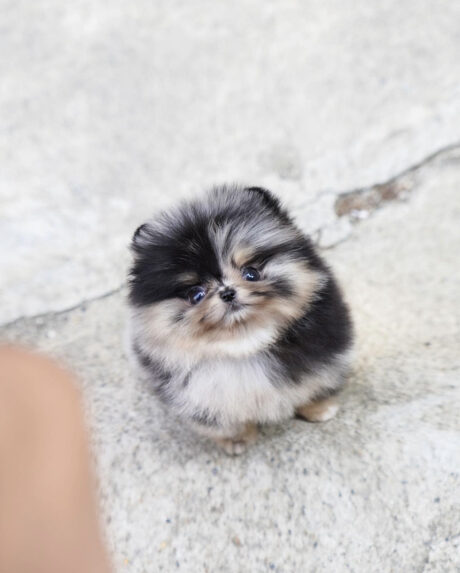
233	447
239	442
319	412
327	414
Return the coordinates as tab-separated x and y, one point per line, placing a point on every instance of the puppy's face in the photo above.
223	275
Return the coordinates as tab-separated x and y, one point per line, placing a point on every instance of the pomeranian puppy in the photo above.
235	317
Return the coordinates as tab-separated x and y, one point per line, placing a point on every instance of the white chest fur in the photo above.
236	391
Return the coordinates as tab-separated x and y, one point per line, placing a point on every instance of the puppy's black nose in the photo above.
228	294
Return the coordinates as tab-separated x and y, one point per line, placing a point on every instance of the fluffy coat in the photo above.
235	318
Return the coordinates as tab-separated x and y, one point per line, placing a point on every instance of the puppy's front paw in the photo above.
238	444
319	411
233	447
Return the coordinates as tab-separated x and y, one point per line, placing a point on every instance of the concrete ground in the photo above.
351	112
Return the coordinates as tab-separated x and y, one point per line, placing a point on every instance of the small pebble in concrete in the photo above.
236	541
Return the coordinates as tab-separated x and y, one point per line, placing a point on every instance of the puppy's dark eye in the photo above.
196	294
250	274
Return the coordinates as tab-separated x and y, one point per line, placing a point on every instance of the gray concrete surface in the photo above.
111	110
375	490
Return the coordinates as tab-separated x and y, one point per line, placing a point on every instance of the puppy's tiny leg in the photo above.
238	444
319	411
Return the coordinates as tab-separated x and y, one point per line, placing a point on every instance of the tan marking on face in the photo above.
212	320
242	254
189	278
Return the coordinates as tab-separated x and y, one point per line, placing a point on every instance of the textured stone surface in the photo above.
111	109
374	490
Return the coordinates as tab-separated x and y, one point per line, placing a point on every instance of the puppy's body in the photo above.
235	318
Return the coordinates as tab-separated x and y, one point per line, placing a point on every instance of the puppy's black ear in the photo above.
138	231
140	237
268	198
270	201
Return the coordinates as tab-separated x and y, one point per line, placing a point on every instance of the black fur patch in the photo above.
162	255
317	338
205	418
160	376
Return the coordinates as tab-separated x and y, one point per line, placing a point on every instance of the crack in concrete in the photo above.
356	204
360	203
67	309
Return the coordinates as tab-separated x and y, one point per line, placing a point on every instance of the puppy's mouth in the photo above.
235	311
234	306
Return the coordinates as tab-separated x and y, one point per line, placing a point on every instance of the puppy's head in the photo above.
222	275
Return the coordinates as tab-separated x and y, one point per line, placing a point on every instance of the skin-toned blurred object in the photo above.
48	519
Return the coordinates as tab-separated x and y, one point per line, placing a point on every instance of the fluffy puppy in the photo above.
235	317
